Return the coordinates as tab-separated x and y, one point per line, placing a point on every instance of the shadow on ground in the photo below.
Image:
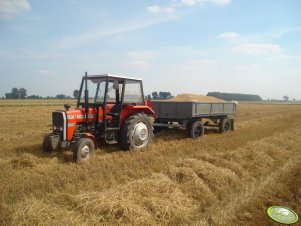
66	155
36	150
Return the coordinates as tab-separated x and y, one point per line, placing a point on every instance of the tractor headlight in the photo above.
54	127
61	128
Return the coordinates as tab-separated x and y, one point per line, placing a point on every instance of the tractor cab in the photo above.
108	95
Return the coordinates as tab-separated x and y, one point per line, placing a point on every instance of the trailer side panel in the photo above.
188	110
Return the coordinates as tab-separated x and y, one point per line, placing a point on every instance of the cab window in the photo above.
133	92
100	95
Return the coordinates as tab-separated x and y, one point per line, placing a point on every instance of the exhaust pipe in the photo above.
86	97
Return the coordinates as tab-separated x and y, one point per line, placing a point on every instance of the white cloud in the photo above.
228	35
202	63
140	58
188	2
219	2
285	56
69	42
257	49
178	3
266	37
272	51
137	63
143	55
203	2
158	9
46	72
8	8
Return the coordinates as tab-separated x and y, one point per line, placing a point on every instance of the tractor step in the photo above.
112	129
111	141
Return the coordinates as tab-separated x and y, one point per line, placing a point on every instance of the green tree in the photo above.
60	96
155	96
235	96
75	93
285	98
8	96
34	97
22	93
15	93
165	95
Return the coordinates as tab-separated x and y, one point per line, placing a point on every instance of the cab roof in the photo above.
113	77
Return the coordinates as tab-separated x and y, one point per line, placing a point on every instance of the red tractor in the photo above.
109	108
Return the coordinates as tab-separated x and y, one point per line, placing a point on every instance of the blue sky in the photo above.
181	46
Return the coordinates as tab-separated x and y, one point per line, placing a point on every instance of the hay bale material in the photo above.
185	97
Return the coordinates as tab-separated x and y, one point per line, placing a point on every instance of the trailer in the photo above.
193	116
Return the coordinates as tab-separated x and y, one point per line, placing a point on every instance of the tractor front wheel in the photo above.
136	132
83	150
47	144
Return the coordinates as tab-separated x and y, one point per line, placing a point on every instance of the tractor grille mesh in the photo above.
57	119
59	126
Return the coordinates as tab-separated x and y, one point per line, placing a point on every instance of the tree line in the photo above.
235	96
162	95
21	93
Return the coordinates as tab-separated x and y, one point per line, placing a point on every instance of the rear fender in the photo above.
130	110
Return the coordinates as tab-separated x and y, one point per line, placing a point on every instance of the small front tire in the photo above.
83	150
47	147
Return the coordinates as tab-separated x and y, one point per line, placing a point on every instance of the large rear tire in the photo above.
83	150
224	125
136	132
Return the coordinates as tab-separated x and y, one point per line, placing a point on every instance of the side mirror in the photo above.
115	85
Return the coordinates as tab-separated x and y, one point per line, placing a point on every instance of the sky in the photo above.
180	46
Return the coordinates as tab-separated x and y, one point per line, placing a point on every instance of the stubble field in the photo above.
221	179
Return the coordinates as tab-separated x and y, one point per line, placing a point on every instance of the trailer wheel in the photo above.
224	125
196	130
136	132
83	150
47	145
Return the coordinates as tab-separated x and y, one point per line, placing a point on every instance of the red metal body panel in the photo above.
149	103
75	116
91	136
130	110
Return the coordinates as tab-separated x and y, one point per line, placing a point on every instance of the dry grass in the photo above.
227	179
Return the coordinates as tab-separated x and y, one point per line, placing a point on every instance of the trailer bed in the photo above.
188	110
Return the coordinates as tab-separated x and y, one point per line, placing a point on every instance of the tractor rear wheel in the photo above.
196	130
136	132
83	150
224	125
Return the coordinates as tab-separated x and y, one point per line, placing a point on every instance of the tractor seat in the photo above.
115	110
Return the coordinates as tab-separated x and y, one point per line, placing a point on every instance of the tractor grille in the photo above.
59	123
